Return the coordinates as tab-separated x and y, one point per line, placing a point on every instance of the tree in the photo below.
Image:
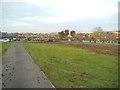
98	29
61	34
98	34
29	38
66	32
72	33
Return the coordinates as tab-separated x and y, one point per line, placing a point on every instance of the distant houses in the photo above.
104	36
4	37
29	36
37	36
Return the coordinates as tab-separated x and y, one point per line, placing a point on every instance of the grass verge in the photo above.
5	46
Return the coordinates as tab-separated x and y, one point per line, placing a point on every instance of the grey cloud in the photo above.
14	10
24	13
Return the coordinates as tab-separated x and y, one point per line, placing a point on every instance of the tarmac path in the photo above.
20	71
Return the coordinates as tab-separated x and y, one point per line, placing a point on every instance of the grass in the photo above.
68	66
0	52
5	46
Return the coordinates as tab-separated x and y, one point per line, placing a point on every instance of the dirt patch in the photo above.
99	48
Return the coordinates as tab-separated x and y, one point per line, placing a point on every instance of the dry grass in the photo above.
100	48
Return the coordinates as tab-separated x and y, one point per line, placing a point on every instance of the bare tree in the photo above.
98	33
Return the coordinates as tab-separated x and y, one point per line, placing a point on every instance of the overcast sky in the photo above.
57	15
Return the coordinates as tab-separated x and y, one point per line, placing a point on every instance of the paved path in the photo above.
20	71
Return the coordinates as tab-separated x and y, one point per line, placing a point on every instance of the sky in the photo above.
58	15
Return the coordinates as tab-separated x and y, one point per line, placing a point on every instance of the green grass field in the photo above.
0	52
68	66
5	46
